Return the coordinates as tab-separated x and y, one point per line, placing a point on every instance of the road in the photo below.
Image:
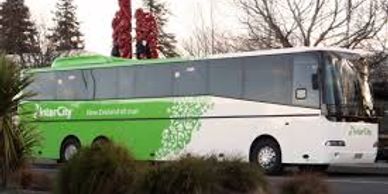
345	184
338	183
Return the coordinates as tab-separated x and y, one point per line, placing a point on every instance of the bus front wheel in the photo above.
266	153
69	148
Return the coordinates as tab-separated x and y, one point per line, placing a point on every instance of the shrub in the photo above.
189	175
235	177
305	184
193	175
16	138
106	168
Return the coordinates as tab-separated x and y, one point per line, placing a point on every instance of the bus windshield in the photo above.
343	93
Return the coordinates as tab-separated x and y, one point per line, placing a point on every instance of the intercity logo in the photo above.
363	131
60	111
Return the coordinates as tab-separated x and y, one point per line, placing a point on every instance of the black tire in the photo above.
67	149
100	141
272	165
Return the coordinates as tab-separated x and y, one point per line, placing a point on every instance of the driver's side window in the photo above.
305	81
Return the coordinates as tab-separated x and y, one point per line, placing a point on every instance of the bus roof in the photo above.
290	51
99	61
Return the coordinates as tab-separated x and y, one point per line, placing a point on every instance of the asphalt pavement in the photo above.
342	179
344	184
339	183
379	168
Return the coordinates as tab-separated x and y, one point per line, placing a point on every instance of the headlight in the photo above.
335	143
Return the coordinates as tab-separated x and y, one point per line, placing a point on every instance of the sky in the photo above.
96	17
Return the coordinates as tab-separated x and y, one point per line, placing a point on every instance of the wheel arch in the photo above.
67	138
101	137
261	138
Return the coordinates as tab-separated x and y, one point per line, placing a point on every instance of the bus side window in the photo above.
106	82
71	85
305	70
268	79
225	78
126	82
43	86
191	79
153	81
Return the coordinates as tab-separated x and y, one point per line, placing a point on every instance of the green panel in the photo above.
97	110
141	137
150	128
137	124
97	61
84	60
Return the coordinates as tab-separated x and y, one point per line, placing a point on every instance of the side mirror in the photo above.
314	81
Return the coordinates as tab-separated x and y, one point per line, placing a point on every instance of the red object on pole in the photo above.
146	35
122	27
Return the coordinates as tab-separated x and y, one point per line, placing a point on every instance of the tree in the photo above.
289	23
18	34
166	40
207	39
47	50
201	43
16	138
66	34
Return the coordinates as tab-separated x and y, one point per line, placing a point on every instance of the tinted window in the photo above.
305	66
225	78
106	83
72	85
43	86
190	78
153	81
268	79
126	85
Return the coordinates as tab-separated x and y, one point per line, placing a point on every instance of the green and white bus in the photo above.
305	106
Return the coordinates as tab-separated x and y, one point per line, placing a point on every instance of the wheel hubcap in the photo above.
267	157
70	151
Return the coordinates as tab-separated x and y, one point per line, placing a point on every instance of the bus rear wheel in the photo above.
100	141
266	153
69	148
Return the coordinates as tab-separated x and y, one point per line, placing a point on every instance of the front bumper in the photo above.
342	157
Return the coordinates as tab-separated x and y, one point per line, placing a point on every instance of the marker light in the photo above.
335	143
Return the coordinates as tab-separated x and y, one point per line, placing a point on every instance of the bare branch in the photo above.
312	23
318	6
